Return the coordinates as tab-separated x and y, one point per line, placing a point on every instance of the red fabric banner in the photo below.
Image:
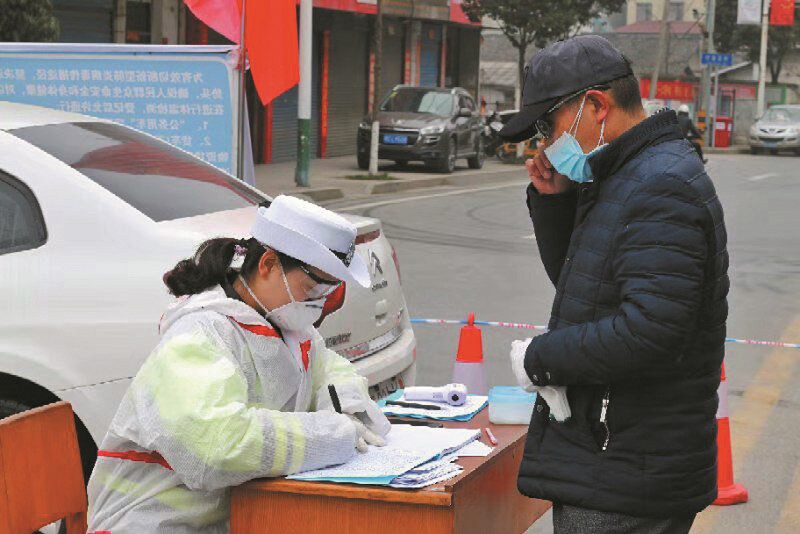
781	13
223	16
272	48
271	38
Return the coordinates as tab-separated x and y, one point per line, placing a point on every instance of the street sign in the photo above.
722	60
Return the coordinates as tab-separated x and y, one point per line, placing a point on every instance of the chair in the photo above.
41	478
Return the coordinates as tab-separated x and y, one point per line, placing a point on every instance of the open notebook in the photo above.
407	447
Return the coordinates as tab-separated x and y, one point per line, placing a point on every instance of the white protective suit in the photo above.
221	400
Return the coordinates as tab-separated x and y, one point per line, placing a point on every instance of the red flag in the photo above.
271	36
782	13
223	16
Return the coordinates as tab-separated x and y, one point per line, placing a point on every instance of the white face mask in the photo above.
294	316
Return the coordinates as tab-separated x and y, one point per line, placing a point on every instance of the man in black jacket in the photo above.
632	235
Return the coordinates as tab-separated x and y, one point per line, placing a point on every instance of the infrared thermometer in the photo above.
452	394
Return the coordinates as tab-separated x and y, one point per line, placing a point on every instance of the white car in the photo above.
92	214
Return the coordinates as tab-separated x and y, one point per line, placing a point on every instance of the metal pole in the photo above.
241	122
716	106
662	49
376	91
762	60
304	95
711	9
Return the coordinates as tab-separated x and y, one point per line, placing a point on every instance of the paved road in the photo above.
473	250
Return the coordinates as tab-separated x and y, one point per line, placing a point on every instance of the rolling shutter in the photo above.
393	50
347	90
284	126
84	21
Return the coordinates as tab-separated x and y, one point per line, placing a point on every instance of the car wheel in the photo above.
753	150
363	161
447	162
9	407
773	152
476	161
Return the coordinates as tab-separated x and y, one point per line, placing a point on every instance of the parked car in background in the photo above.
430	124
778	129
92	214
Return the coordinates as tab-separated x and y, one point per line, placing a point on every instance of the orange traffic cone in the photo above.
728	492
468	369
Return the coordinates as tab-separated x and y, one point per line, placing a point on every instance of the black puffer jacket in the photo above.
638	325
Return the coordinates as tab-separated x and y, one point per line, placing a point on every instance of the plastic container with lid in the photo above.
510	405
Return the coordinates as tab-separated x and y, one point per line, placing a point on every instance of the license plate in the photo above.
386	388
391	139
770	144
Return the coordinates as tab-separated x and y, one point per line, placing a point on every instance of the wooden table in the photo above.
482	499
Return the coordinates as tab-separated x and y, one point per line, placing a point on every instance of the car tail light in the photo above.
396	264
369	236
333	303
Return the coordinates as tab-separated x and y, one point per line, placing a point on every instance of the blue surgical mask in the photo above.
566	153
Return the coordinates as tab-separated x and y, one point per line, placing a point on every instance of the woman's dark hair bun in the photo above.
210	265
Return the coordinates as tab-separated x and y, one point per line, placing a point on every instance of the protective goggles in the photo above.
544	124
323	287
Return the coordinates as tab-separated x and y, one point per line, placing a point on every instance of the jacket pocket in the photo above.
599	419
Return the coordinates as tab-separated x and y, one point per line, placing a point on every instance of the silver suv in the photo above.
430	124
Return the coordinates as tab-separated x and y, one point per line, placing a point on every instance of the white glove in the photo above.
355	401
556	399
518	349
554	396
364	436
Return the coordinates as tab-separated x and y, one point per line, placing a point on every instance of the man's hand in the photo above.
544	177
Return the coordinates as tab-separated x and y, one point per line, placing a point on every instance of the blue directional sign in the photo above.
722	60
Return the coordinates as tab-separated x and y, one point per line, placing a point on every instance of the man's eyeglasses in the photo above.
544	124
323	288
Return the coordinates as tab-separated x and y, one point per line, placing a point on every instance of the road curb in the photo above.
397	186
739	149
318	195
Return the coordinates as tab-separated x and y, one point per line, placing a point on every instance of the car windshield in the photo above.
782	115
154	177
419	101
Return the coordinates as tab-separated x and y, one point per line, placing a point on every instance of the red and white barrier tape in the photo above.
524	326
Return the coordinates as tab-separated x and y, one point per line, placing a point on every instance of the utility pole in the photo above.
711	9
304	95
241	114
662	49
762	60
376	91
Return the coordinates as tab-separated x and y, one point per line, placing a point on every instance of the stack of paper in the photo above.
465	412
422	453
431	472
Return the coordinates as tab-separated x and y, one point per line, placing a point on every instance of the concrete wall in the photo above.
641	49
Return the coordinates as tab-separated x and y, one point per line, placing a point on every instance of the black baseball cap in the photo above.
559	70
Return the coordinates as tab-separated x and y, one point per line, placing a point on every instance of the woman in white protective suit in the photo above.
237	388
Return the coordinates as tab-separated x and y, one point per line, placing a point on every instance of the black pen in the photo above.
334	398
414	422
414	405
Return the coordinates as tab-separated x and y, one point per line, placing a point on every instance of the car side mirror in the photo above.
464	112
